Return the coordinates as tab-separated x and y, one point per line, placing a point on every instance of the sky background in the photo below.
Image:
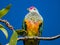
49	9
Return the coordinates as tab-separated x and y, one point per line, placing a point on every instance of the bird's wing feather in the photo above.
24	26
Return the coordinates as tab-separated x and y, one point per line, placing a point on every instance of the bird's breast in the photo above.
32	27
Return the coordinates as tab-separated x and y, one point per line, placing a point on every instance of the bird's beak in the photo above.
27	8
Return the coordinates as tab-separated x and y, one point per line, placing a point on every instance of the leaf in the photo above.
13	40
4	11
4	31
21	32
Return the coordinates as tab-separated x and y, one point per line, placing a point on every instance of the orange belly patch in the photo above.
32	27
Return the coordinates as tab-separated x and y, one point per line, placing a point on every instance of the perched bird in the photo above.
33	25
4	11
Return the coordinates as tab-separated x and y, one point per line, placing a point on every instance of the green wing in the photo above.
24	26
4	11
40	29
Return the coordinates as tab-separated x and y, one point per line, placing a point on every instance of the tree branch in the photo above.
39	38
7	24
26	37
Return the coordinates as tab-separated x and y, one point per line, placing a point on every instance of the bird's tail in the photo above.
31	42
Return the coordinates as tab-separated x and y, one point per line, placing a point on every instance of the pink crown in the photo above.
32	7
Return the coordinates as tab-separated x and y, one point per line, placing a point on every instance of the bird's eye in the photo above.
34	9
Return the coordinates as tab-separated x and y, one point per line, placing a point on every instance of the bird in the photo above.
4	11
32	25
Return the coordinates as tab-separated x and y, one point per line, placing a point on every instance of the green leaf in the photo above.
4	31
13	40
21	32
4	11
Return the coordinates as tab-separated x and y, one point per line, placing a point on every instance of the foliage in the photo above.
4	11
13	40
21	32
14	36
4	30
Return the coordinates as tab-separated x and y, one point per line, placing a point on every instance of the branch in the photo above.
7	24
35	37
39	38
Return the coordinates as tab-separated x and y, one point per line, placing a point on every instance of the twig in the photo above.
7	24
39	38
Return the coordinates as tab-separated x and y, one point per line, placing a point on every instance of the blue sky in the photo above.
49	9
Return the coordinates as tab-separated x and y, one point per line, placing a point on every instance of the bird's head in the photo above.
32	9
